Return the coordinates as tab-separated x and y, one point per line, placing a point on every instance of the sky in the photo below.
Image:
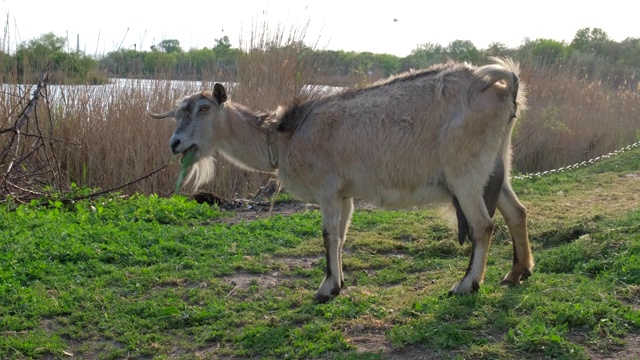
383	27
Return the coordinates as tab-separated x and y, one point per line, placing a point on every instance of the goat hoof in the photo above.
460	289
327	291
321	298
507	282
513	279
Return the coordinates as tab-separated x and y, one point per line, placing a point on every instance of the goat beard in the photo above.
201	172
195	169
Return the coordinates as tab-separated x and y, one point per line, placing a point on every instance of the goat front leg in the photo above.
345	221
331	233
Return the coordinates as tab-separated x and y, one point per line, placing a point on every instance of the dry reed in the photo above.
572	119
102	135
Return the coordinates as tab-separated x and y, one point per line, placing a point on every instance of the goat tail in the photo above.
503	70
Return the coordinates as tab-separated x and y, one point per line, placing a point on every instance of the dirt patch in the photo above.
247	210
414	352
242	281
629	351
261	206
245	280
380	344
293	262
368	334
258	206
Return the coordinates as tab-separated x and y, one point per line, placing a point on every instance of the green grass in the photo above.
148	277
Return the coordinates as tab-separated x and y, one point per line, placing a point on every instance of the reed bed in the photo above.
101	136
572	119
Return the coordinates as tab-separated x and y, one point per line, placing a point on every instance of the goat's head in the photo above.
195	117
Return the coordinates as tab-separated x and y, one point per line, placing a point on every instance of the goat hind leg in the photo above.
491	194
481	228
515	215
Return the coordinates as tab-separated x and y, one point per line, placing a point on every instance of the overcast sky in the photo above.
393	27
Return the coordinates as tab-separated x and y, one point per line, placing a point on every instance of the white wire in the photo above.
578	164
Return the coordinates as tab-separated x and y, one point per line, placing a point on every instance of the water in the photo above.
70	97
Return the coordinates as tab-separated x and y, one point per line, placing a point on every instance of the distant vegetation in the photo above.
49	50
591	51
583	99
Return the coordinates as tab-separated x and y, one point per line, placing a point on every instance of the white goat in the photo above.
440	135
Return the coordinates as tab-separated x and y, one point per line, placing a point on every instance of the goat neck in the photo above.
246	142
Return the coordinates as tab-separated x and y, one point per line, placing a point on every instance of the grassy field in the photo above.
149	277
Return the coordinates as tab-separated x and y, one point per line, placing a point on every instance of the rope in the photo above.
578	164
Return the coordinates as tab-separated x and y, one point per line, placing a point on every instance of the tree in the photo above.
544	51
463	50
123	63
223	44
630	52
159	63
34	55
497	49
591	40
424	55
225	55
169	46
48	42
390	64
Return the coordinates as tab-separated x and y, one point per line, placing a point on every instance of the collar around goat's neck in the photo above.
272	140
272	147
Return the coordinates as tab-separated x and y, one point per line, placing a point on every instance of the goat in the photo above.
435	136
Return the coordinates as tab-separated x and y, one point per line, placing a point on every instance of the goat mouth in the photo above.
189	155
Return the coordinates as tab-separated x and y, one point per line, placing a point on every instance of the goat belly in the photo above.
393	199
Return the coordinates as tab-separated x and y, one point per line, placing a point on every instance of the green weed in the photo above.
146	276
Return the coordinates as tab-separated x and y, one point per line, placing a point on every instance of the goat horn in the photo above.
170	113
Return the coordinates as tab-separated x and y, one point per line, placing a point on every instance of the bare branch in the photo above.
41	83
48	138
98	193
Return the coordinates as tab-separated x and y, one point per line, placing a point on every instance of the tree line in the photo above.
591	51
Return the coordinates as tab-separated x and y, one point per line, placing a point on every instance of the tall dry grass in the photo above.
102	136
119	141
271	71
572	119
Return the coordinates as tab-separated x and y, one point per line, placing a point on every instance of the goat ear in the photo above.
219	93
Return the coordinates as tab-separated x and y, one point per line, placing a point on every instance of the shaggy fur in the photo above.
429	136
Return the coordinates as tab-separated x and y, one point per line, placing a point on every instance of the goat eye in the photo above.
204	108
